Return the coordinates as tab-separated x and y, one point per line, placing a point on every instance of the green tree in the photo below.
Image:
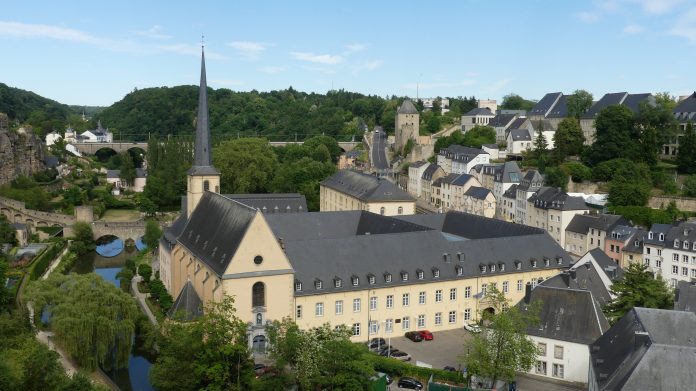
686	154
690	186
638	288
578	103
145	271
4	294
616	136
127	168
7	232
477	136
654	126
623	192
83	238
540	151
556	177
434	124
73	197
329	142
91	319
246	165
504	349
568	140
153	233
516	102
665	100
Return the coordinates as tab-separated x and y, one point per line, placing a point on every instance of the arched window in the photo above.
381	211
258	295
206	185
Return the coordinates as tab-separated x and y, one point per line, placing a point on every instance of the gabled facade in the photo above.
509	204
453	187
476	117
506	176
552	209
431	174
617	239
458	159
350	190
530	183
501	123
632	250
415	172
670	251
588	231
479	201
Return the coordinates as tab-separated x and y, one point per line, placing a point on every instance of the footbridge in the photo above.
124	230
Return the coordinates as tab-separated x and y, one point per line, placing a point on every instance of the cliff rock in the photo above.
20	154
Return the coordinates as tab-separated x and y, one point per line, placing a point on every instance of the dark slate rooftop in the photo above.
456	150
604	222
543	106
428	173
555	198
517	123
471	226
685	296
479	193
407	107
273	203
606	101
460	180
188	306
511	192
508	173
583	275
491	146
501	120
479	111
609	267
635	243
215	229
570	315
365	187
560	109
520	135
647	349
657	229
687	105
633	101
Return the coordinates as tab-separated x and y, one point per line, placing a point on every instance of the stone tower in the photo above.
407	125
202	176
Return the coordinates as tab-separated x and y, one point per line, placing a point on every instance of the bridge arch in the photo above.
7	213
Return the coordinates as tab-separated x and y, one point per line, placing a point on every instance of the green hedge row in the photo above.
44	259
399	368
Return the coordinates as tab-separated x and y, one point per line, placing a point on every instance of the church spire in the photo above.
202	163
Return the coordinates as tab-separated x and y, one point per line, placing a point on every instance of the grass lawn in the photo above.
121	215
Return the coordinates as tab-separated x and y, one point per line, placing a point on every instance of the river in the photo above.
135	378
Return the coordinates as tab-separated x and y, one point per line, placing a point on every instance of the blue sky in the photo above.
95	52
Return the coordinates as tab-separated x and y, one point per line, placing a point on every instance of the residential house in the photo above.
530	183
632	101
459	159
348	159
476	117
509	202
453	188
52	138
632	251
552	209
494	151
485	173
684	112
415	173
479	201
501	123
670	251
350	190
518	141
436	193
544	106
506	176
98	135
430	174
617	240
647	349
547	129
685	296
113	177
588	231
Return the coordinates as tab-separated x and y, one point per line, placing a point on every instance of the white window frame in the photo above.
319	309
338	307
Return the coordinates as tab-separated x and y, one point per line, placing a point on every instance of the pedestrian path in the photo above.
141	298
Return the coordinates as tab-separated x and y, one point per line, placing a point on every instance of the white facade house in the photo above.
518	141
670	251
507	175
113	177
98	135
552	209
52	138
415	173
476	117
457	159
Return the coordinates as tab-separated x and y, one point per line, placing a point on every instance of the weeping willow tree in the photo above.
91	319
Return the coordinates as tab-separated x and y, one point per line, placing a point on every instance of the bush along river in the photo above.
136	376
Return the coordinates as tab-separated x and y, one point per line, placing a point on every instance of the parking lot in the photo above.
447	347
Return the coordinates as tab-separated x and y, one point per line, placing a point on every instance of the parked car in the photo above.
410	383
473	327
427	335
376	343
413	336
399	355
388	378
449	369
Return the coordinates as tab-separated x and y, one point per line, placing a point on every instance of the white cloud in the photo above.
326	59
368	66
438	85
249	50
659	6
355	47
633	29
587	17
685	26
154	32
272	70
498	85
25	30
189	50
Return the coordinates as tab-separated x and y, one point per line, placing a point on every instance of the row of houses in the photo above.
98	135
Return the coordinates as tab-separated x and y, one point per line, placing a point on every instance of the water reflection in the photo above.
109	246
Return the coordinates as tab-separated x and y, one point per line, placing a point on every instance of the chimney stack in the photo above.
573	274
528	293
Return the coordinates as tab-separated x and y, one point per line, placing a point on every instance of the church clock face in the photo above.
258	259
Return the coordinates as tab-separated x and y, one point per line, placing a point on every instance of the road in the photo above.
378	154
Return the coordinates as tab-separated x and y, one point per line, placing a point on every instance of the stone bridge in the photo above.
121	229
345	145
16	212
118	146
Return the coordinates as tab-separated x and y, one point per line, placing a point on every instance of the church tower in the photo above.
202	176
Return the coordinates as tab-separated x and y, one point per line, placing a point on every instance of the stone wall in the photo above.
683	203
18	213
20	154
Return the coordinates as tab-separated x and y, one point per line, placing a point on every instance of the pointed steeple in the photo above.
202	163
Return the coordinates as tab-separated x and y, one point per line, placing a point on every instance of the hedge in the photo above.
399	368
44	259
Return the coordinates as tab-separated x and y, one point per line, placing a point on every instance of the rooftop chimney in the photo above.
573	274
528	293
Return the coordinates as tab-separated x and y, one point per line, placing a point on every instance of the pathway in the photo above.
142	299
56	261
45	338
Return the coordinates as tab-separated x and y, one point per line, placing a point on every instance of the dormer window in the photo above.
371	279
559	260
420	274
676	243
483	268
662	237
533	262
404	276
298	286
686	244
492	267
338	282
637	243
436	272
459	270
518	265
354	280
318	284
501	267
547	262
461	257
387	277
650	235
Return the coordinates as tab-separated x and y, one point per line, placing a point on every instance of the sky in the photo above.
95	52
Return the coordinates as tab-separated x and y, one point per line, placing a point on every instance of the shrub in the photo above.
578	172
145	271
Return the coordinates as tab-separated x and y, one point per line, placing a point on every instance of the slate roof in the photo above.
622	233
402	245
172	233
418	164
520	135
509	172
491	146
647	349
479	111
215	229
604	222
608	266
517	123
456	149
273	202
638	236
555	198
583	276
116	174
365	187
407	107
511	192
633	101
606	101
477	192
530	177
686	109
501	120
543	106
428	173
560	109
657	229
685	296
460	180
188	306
566	314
